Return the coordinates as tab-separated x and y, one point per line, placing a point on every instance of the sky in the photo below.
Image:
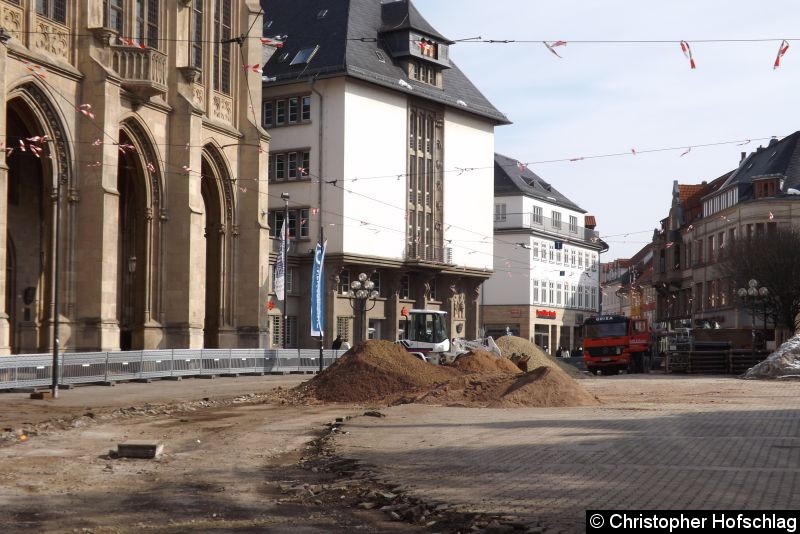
612	98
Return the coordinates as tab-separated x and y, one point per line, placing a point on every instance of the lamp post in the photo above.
361	291
752	295
282	243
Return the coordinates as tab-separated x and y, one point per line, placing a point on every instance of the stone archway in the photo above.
133	242
30	223
219	228
140	269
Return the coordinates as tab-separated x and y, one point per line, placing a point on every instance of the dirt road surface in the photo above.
230	461
238	460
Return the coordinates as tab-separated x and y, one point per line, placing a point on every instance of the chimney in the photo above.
744	155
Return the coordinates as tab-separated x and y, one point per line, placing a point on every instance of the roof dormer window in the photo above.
428	48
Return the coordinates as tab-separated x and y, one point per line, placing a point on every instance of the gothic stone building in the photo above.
130	179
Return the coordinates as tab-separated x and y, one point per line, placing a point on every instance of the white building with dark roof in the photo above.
385	147
546	278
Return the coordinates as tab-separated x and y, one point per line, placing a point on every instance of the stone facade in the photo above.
155	156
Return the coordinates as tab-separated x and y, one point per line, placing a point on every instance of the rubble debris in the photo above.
783	363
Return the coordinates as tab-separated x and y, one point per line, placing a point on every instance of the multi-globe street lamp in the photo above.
753	296
361	291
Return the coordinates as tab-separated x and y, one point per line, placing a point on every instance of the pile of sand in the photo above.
783	363
542	387
482	362
511	345
380	371
375	370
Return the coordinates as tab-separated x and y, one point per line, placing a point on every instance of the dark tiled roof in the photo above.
348	39
403	16
779	158
510	179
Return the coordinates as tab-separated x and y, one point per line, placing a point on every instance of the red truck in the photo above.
614	343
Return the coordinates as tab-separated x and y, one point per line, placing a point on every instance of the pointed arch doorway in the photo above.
133	242
30	244
218	225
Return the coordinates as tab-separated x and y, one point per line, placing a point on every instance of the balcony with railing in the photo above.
421	252
143	70
514	221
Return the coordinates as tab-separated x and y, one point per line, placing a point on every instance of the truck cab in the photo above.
614	343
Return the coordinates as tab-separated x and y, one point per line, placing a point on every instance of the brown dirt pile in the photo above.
380	371
482	362
545	387
511	345
375	370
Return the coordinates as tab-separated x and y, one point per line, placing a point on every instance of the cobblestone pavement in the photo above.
658	443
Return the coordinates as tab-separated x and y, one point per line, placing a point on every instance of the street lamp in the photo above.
753	295
361	291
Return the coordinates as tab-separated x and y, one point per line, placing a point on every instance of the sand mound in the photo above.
511	345
544	387
380	371
375	370
784	362
482	362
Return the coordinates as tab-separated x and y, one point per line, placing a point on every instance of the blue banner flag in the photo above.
318	292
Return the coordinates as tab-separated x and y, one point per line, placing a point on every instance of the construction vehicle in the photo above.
614	343
425	336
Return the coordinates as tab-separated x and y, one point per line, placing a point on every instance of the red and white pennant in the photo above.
687	51
782	49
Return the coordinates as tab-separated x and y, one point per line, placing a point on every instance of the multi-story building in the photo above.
626	286
761	195
547	251
129	194
384	146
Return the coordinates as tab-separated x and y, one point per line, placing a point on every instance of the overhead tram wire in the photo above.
460	170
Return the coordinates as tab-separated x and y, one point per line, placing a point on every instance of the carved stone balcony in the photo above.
143	71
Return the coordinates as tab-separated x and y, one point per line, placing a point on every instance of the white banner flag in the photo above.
280	274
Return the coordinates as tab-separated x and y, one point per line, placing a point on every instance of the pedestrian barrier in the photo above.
728	361
35	370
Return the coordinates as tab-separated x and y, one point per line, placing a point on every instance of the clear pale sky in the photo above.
611	98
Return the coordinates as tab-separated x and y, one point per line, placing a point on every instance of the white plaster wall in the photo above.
305	192
374	145
548	208
469	196
510	283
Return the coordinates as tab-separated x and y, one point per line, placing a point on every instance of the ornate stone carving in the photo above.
223	108
11	17
225	181
149	155
199	96
190	74
52	39
58	146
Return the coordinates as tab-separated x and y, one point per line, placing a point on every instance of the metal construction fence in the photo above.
35	370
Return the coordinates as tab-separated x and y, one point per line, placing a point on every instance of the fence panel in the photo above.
34	370
83	367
